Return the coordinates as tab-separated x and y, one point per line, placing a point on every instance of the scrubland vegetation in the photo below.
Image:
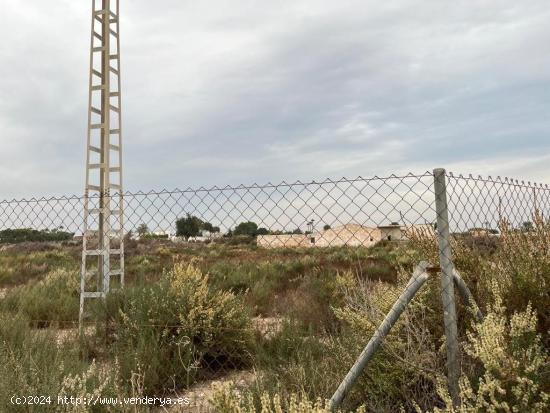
296	318
13	236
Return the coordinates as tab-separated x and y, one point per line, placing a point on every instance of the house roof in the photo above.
351	228
389	226
351	225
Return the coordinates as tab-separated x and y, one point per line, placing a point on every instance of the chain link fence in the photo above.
352	208
420	218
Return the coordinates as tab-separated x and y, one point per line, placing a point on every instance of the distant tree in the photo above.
297	231
246	228
527	226
155	236
13	236
262	231
207	226
326	227
142	229
190	226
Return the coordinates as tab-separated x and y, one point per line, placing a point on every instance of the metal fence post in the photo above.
447	285
419	277
468	296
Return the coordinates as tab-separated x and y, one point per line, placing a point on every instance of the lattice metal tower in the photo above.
103	241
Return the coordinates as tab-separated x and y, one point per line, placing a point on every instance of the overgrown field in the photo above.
295	319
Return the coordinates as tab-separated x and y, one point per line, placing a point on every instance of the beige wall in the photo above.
396	233
278	241
352	235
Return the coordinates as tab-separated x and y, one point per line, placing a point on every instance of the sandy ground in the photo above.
200	393
64	335
268	326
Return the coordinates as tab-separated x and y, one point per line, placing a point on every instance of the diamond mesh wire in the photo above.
359	211
483	213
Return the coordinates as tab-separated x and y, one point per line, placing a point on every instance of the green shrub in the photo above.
20	265
295	361
226	399
515	366
14	236
519	266
178	330
299	288
37	363
54	299
399	373
523	272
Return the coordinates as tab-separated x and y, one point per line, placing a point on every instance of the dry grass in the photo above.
312	311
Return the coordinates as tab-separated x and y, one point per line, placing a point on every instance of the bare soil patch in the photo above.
200	393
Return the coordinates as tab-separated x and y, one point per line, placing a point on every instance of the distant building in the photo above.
197	239
349	234
153	235
392	232
211	235
480	232
162	234
285	240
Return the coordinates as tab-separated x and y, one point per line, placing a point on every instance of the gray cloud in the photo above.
216	92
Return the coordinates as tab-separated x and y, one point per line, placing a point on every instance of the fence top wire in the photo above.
499	180
216	188
341	203
284	184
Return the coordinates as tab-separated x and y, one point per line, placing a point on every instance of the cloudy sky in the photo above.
226	92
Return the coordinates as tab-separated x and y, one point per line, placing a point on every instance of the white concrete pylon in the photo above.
103	238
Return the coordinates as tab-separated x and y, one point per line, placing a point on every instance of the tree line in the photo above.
15	236
192	226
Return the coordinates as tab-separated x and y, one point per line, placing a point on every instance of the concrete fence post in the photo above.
447	285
